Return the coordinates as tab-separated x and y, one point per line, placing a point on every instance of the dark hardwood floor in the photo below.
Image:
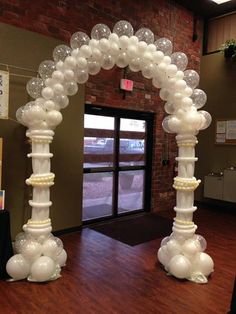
105	276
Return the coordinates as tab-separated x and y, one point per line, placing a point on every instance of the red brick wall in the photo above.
61	18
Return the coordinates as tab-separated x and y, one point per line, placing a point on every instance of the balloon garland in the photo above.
39	255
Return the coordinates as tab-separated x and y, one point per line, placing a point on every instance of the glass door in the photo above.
117	174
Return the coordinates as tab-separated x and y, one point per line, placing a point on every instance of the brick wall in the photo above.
61	18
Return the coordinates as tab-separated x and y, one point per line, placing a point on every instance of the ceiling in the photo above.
208	8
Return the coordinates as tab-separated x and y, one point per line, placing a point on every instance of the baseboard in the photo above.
67	230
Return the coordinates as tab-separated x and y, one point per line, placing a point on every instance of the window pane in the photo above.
131	152
97	195
131	185
98	122
132	125
98	152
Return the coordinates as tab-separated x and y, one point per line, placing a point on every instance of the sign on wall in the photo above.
4	94
226	132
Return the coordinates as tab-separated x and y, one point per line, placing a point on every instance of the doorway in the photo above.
117	162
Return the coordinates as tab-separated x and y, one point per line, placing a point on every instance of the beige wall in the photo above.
218	80
27	49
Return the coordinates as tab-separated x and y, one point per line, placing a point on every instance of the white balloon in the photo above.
50	105
191	247
164	94
164	241
157	56
93	43
69	75
122	60
96	54
148	71
132	51
156	82
58	89
113	38
70	62
169	108
17	267
53	118
58	76
47	93
180	266
173	247
142	46
114	49
104	44
124	42
171	70
85	51
43	269
167	60
203	264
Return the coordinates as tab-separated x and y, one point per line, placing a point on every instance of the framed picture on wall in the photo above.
226	131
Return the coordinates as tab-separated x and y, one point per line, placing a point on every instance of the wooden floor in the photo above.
105	276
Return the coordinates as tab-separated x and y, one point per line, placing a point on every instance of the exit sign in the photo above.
126	85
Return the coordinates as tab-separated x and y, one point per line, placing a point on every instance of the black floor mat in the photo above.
136	230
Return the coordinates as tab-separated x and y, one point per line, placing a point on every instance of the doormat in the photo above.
136	230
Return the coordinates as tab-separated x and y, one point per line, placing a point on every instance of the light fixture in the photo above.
220	1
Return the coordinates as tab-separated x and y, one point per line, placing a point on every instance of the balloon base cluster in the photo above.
184	257
37	259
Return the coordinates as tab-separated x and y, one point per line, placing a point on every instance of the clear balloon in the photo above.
191	77
207	119
34	87
31	250
108	62
19	114
79	39
93	67
81	76
145	34
169	108
51	248
46	69
71	88
165	124
61	52
20	240
202	241
123	28
62	101
199	98
180	60
100	31
164	45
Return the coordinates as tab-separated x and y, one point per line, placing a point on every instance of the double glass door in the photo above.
117	162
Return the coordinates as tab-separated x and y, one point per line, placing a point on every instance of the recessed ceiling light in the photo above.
220	1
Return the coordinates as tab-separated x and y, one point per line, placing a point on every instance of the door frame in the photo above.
118	113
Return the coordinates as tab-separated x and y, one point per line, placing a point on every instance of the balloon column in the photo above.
39	255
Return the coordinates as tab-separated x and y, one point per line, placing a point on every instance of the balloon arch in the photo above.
39	255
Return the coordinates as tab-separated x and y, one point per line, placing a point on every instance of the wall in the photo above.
27	49
62	18
218	76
